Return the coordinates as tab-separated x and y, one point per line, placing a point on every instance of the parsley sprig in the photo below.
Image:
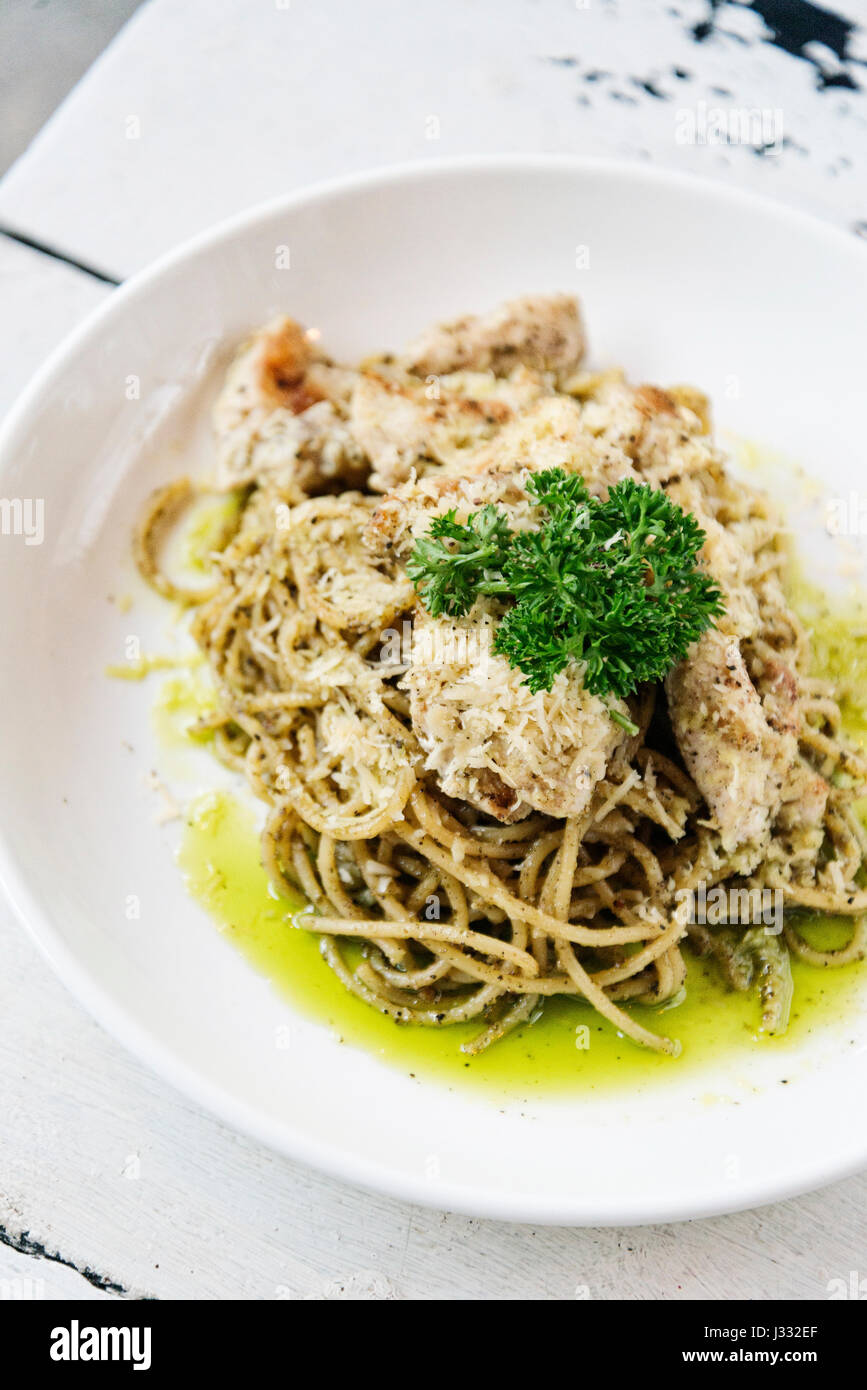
613	585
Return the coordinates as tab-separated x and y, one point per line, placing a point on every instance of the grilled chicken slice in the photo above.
543	332
404	424
488	739
665	433
724	558
552	434
738	749
460	383
548	434
281	413
736	719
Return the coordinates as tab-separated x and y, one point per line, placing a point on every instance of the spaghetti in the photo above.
430	909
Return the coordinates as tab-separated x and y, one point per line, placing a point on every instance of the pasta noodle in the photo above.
453	914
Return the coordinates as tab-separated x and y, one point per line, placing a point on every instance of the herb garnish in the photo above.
612	584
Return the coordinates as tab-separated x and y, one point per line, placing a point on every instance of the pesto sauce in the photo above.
568	1047
212	521
139	668
181	701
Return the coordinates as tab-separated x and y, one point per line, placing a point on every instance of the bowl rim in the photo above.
280	1136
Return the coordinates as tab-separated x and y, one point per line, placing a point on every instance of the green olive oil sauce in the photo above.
181	701
211	521
568	1045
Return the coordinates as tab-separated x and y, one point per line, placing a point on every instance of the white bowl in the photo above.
681	281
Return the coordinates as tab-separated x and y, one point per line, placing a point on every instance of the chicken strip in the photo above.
724	557
490	740
549	434
737	748
405	425
407	512
281	414
543	332
665	433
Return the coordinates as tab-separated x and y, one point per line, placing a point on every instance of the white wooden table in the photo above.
110	1184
